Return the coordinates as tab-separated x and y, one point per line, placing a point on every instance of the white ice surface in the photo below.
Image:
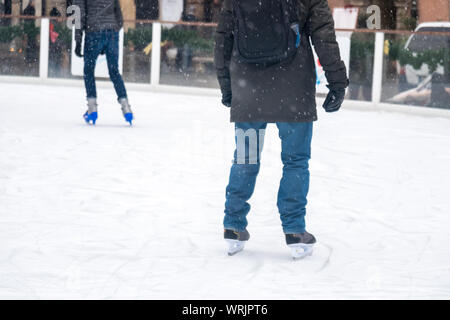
118	212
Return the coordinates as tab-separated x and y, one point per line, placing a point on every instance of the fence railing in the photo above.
182	55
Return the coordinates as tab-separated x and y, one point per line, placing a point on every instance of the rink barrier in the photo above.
155	72
213	24
44	49
155	85
196	91
377	80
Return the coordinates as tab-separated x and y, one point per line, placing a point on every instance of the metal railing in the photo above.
156	25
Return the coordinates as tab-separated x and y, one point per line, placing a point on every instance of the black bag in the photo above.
266	31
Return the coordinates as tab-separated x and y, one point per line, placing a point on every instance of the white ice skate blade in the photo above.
301	250
234	246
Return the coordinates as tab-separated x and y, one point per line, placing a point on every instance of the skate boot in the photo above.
236	240
91	114
126	110
301	244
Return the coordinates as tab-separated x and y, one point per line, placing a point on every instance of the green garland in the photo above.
360	49
30	30
64	34
191	37
397	52
141	37
432	58
9	33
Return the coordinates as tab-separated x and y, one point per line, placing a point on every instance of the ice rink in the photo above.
117	212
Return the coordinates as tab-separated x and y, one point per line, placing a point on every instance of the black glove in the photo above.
78	38
226	98
223	75
334	100
225	87
78	50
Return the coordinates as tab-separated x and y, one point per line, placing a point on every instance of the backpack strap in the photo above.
293	11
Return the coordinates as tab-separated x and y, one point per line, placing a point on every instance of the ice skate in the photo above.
91	114
236	240
126	110
301	244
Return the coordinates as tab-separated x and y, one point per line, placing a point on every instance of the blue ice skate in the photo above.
126	110
91	114
91	117
129	117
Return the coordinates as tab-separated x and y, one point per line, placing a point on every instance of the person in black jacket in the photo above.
101	21
30	9
281	93
2	12
31	54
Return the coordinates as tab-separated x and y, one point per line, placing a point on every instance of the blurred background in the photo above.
415	65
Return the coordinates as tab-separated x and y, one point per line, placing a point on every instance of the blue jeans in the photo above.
94	44
294	185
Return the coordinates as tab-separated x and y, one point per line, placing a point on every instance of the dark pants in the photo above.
296	152
31	55
94	44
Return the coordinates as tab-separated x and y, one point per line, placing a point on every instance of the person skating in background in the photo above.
55	46
30	9
31	53
212	10
361	62
101	21
267	74
2	12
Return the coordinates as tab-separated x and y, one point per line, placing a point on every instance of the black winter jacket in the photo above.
283	92
98	15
